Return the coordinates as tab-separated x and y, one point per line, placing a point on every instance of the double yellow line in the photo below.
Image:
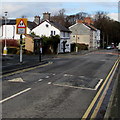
108	79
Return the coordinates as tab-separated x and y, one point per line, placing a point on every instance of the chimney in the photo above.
46	16
88	20
79	21
37	20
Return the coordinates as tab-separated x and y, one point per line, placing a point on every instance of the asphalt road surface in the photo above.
62	88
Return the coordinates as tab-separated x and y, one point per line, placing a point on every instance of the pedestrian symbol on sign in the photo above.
21	24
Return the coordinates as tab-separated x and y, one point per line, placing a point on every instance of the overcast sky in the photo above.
30	8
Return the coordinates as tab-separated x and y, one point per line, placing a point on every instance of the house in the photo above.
84	32
49	28
8	29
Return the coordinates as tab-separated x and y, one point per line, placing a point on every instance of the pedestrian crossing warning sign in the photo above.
21	25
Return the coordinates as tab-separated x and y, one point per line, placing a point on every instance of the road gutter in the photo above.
109	107
107	81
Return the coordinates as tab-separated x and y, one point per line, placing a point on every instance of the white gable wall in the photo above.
10	32
44	29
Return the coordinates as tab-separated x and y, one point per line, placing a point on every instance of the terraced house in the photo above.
83	32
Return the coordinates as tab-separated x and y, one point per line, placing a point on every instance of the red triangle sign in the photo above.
21	24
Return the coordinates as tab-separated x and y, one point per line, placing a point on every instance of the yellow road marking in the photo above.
25	70
102	97
98	93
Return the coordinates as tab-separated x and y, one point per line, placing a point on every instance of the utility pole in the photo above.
76	44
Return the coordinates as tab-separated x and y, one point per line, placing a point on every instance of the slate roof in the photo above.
31	25
57	25
91	27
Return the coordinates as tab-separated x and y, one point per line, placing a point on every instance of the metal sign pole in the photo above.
21	28
21	48
40	50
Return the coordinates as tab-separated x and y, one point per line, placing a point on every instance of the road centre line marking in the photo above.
19	93
94	114
99	92
25	70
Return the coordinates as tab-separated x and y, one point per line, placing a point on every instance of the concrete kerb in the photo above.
21	66
27	63
110	104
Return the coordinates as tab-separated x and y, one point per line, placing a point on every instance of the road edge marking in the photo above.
17	94
94	114
99	92
25	70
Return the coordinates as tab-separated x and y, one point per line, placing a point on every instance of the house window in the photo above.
51	33
47	25
54	32
63	34
68	34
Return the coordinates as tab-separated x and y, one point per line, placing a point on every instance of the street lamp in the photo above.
5	47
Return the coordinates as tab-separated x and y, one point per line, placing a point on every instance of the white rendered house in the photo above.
8	29
49	28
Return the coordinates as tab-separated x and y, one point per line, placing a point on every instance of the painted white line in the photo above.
84	88
96	87
16	80
49	83
40	80
81	76
47	76
67	75
15	95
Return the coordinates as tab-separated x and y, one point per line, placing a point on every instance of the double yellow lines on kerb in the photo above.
106	84
25	70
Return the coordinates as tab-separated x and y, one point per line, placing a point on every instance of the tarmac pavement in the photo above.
11	63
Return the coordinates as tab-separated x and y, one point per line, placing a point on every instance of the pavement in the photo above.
11	63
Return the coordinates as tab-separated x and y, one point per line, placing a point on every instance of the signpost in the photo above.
21	28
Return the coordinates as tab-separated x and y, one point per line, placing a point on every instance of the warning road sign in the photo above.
21	25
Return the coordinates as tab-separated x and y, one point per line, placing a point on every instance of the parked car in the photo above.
109	47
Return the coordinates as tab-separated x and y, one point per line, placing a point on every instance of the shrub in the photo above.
10	43
12	50
82	46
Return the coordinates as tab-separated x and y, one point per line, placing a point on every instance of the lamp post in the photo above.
5	47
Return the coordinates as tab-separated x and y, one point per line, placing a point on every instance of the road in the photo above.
65	87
